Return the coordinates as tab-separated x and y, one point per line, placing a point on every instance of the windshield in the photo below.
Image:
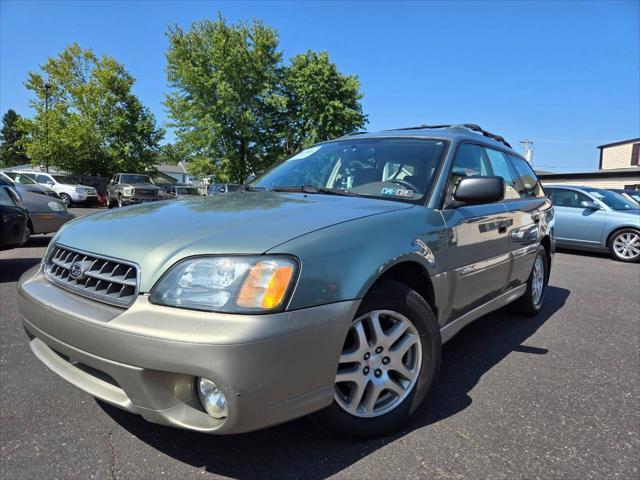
21	178
613	200
135	179
187	191
64	180
389	168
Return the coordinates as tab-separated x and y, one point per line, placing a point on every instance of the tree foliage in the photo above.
94	124
12	151
322	103
237	109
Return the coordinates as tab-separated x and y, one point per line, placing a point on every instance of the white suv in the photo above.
69	190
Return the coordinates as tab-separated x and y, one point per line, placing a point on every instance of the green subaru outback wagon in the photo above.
327	285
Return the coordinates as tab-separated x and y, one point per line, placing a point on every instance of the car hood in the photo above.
156	235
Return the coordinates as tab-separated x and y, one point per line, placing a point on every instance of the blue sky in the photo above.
563	74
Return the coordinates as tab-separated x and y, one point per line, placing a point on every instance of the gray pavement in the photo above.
556	396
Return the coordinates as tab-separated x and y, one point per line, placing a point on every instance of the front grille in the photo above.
104	279
143	192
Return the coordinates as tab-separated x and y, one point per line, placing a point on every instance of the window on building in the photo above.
635	154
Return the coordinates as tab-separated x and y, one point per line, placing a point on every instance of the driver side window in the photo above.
469	162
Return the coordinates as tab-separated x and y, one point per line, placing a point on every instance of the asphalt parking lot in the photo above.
555	396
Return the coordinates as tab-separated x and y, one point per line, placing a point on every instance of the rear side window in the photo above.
567	198
502	168
529	182
5	198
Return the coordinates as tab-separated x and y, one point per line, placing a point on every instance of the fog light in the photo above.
212	398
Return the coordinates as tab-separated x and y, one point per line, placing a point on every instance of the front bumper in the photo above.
47	222
130	200
146	359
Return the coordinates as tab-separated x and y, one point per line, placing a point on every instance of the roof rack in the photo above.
469	126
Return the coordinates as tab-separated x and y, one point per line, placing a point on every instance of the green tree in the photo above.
226	95
12	151
171	154
322	103
237	108
94	123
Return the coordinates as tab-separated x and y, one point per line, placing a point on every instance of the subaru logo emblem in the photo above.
76	271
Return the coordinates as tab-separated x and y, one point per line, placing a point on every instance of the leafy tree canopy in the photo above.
12	151
237	109
322	103
94	123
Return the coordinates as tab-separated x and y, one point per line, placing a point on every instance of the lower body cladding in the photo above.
148	359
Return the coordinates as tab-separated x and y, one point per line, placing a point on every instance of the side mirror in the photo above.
589	205
111	182
479	190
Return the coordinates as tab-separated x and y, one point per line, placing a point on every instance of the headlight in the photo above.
57	207
79	190
227	284
127	190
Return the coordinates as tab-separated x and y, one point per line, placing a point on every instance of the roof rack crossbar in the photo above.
469	126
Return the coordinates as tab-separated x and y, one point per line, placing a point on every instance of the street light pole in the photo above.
47	87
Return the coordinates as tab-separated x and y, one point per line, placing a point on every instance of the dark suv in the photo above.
327	285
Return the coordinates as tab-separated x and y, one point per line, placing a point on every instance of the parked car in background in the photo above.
217	188
182	191
22	179
13	218
47	213
70	191
595	219
327	285
633	195
130	188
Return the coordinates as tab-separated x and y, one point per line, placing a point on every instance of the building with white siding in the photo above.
619	168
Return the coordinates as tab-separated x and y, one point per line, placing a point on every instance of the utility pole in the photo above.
528	149
47	87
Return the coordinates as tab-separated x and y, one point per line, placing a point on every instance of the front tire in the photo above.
120	204
389	361
625	245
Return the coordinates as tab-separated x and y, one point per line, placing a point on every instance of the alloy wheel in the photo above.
379	364
537	284
627	245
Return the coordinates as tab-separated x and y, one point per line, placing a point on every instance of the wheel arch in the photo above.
412	274
617	229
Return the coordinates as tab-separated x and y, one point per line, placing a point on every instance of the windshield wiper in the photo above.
308	188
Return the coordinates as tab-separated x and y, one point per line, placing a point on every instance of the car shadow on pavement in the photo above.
12	268
298	449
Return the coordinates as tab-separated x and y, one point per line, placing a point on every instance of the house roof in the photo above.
621	142
167	168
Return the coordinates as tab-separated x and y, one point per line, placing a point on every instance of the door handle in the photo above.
502	226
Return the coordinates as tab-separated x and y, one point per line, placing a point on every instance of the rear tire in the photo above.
532	301
400	312
624	245
66	198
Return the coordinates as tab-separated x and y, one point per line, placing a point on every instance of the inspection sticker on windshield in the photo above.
305	153
397	192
